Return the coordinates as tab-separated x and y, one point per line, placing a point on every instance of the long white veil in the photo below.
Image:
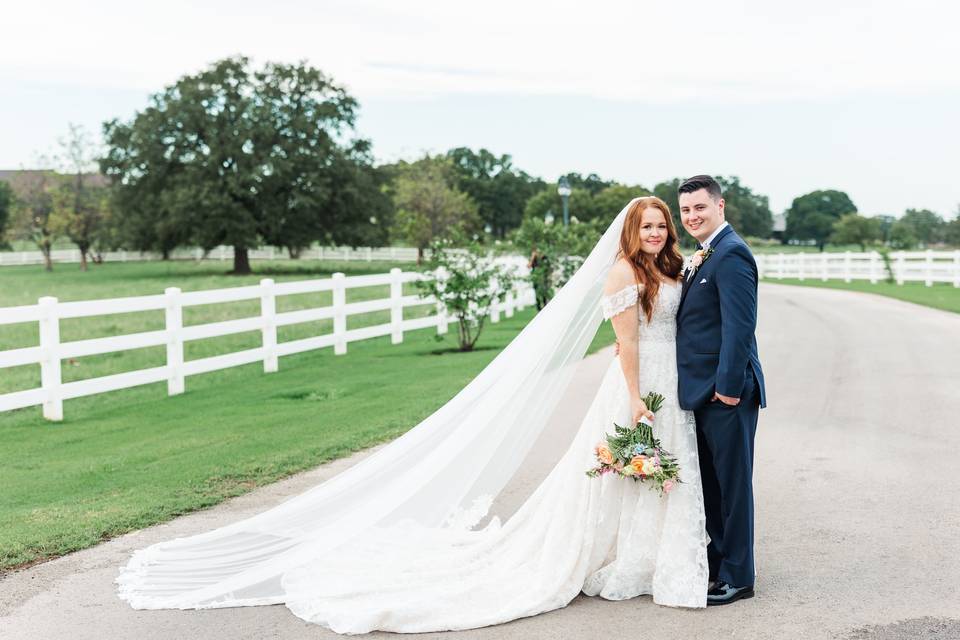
443	473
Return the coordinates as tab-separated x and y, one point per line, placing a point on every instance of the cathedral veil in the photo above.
443	473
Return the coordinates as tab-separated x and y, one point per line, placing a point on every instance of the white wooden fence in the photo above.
222	253
49	311
907	266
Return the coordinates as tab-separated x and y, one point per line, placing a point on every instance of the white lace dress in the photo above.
608	536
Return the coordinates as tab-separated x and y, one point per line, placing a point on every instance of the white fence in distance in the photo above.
907	266
222	253
51	351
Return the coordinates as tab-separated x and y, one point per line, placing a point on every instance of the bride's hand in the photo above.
639	409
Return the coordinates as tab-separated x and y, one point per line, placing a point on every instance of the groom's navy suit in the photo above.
717	351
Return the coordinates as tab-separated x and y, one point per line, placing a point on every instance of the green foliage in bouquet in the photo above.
630	444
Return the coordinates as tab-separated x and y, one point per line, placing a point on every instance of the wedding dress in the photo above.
395	543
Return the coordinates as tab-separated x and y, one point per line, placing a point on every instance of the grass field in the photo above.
939	296
128	459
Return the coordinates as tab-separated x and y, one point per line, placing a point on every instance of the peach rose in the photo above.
604	454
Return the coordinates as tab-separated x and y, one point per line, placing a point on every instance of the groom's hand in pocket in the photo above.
725	399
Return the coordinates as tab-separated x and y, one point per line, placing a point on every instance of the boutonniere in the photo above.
698	258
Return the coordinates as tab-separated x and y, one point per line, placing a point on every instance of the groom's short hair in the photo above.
701	182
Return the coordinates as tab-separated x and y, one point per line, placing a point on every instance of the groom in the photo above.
721	382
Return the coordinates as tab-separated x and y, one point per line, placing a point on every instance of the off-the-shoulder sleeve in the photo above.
619	301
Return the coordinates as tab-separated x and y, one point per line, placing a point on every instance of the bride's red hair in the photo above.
647	271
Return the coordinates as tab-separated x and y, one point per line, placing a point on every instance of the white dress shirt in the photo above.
706	243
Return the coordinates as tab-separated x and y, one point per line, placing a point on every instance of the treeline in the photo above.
240	156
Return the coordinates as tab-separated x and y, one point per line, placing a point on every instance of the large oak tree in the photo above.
241	157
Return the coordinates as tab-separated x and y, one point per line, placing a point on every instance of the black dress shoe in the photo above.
723	593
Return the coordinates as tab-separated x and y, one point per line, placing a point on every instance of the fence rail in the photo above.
905	266
222	253
48	312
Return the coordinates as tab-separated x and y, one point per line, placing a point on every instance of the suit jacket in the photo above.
716	321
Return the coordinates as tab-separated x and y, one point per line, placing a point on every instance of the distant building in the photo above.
779	226
13	175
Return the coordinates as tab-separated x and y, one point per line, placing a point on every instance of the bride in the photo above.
409	539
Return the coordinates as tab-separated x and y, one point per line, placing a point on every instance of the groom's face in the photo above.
700	213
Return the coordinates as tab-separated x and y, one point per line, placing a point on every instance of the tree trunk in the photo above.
165	253
241	261
47	262
83	258
419	256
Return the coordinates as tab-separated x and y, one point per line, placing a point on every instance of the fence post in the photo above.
396	306
508	304
956	268
339	314
901	267
824	264
929	268
873	267
800	261
50	378
847	276
369	254
441	307
174	322
268	314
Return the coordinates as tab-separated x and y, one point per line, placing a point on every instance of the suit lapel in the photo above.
688	283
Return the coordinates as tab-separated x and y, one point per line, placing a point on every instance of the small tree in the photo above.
33	209
853	228
78	214
428	207
928	227
468	283
903	235
78	200
556	252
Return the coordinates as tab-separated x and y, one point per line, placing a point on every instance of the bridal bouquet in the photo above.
635	453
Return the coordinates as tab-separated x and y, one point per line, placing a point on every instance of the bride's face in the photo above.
653	231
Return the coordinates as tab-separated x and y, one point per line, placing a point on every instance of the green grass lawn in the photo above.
940	296
128	459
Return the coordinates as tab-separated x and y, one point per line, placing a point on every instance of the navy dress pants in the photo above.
725	436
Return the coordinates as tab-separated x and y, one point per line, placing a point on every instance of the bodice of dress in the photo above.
662	326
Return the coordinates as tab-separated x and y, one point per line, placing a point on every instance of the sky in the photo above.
861	96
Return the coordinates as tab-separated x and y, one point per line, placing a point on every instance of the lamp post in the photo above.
563	189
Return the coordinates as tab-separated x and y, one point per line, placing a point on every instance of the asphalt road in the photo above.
858	503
